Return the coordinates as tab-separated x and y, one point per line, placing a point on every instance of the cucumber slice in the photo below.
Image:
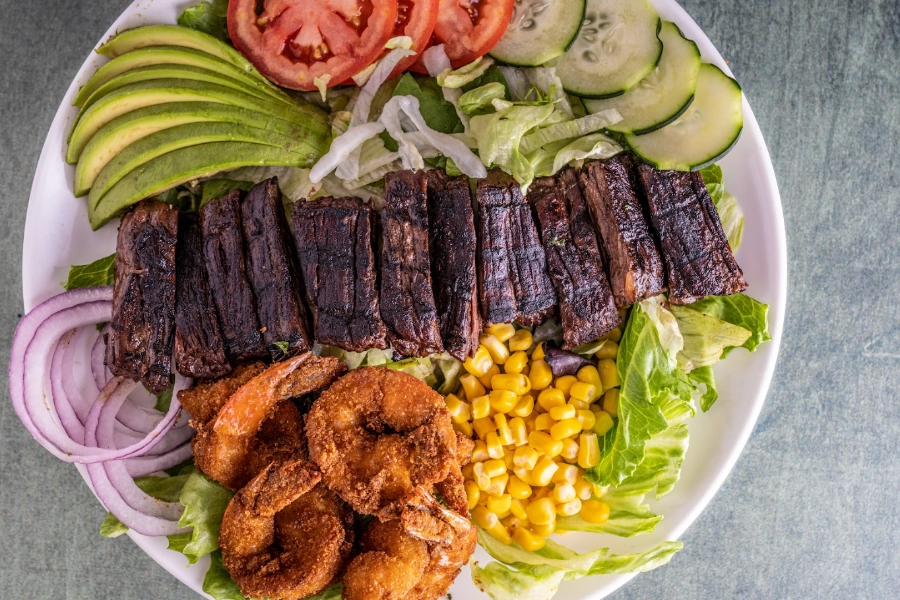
660	97
616	47
707	130
539	31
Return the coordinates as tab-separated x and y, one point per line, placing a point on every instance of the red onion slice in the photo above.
68	418
145	465
98	360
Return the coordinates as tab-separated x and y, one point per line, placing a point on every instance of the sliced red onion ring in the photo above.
68	418
98	360
145	465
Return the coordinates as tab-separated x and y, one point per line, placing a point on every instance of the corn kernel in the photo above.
502	401
483	517
570	508
564	384
543	471
525	406
614	335
540	374
472	494
522	473
481	407
600	490
527	540
544	422
500	532
570	450
590	374
503	430
609	349
494	445
542	492
517	508
566	474
526	456
498	485
594	511
563	493
513	523
564	429
541	512
460	411
464	428
542	442
583	489
472	386
583	391
611	402
550	398
517	384
479	364
587	419
579	404
519	431
479	477
480	453
518	488
497	349
608	373
521	340
503	331
485	379
494	467
484	426
603	422
508	460
562	412
588	451
516	363
467	471
500	504
543	530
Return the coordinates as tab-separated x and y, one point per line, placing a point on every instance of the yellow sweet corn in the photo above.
518	384
564	384
473	494
518	488
527	540
594	511
502	331
503	401
494	445
516	363
540	374
481	407
543	471
608	373
544	422
520	341
472	386
588	451
611	402
485	379
503	430
541	512
483	517
524	407
480	453
602	423
538	353
526	456
565	428
497	349
518	430
542	442
550	398
479	364
586	392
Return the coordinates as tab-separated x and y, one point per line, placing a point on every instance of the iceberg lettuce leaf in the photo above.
705	337
741	310
204	503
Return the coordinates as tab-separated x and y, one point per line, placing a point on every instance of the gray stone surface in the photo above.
810	510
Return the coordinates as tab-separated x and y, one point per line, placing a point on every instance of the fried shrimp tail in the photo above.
255	426
377	434
284	536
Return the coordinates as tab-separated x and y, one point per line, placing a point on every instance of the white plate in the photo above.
57	235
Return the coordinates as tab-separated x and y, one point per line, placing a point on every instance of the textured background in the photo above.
809	511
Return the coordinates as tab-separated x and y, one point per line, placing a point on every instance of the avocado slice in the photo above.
159	91
174	35
186	164
183	136
171	55
122	131
165	71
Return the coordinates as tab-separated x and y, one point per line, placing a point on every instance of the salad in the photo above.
186	114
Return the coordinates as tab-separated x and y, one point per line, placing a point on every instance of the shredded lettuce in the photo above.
477	100
568	129
98	273
457	78
499	136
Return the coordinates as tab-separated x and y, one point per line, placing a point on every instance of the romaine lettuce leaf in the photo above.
218	583
98	273
741	310
204	503
663	455
704	375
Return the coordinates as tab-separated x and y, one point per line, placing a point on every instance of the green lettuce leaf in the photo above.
218	583
639	562
208	17
216	188
354	360
705	337
492	75
204	503
479	100
112	527
466	74
164	400
98	273
661	468
704	375
499	135
628	516
570	128
527	582
437	112
166	489
741	310
293	181
726	205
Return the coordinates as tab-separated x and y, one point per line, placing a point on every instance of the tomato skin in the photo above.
466	39
423	15
349	52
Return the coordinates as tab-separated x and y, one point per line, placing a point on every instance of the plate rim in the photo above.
670	9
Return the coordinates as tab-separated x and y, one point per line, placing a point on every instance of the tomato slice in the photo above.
294	41
415	18
469	28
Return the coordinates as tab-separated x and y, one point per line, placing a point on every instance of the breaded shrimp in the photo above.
377	434
256	426
204	401
284	536
415	557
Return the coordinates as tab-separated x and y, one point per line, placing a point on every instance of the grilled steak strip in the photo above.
453	248
272	271
514	282
698	259
633	263
334	241
199	347
142	329
407	301
586	306
223	249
